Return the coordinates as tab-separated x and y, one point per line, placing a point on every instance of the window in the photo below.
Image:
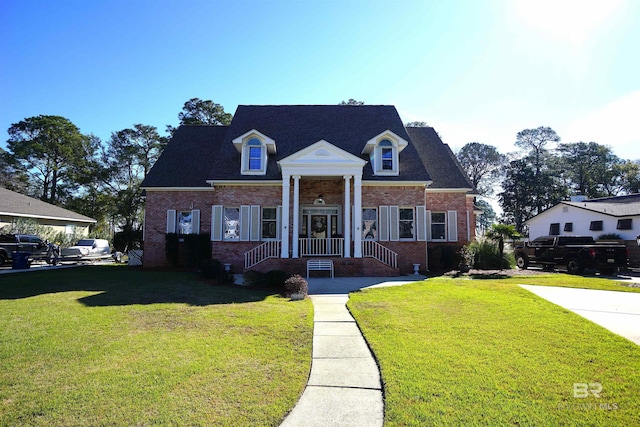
386	154
385	160
595	226
406	223
269	223
624	224
185	222
369	224
438	226
568	226
554	229
231	224
255	154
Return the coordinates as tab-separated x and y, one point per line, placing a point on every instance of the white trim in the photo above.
346	229
151	189
387	134
21	215
284	246
395	183
357	216
269	143
321	159
296	216
448	190
247	182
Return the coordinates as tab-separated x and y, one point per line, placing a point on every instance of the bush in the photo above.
296	284
197	248
275	279
254	278
126	240
171	249
213	269
486	256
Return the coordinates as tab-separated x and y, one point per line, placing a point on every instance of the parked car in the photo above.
34	245
574	252
87	249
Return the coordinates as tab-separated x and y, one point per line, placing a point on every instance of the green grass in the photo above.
113	346
574	281
487	352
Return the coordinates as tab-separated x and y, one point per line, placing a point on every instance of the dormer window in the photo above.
255	154
254	147
383	153
385	157
386	154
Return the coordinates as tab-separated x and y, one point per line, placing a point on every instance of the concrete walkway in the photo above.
617	311
344	387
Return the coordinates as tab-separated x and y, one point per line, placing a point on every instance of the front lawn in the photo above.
114	346
487	352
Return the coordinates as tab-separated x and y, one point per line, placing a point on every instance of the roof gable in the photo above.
321	159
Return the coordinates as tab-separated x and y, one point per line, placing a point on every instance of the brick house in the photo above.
283	184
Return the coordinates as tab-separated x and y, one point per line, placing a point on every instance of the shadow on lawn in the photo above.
118	286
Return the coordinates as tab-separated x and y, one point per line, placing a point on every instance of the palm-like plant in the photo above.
500	233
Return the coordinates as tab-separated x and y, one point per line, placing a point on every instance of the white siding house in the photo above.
595	217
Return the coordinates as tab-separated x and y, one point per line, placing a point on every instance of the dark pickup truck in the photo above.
574	252
10	243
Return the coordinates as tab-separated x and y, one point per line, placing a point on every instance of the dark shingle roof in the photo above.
438	159
197	154
16	204
187	159
627	205
294	127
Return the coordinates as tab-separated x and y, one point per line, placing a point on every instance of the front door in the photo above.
320	230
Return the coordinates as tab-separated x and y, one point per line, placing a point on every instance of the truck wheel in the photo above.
3	259
574	266
522	262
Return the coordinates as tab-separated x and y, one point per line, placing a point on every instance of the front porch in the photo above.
331	248
343	267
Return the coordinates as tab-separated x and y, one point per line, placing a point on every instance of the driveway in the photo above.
619	312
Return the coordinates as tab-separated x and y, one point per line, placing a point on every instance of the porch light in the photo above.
319	200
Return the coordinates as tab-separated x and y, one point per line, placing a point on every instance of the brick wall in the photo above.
332	191
461	203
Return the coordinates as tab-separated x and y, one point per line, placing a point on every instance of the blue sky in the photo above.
474	70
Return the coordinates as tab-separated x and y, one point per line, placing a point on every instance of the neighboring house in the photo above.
595	217
283	184
15	206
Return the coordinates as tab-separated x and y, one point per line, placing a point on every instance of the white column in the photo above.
357	216
284	232
296	215
347	216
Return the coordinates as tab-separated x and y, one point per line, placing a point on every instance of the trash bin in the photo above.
20	260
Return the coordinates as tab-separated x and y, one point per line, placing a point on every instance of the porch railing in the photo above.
255	256
373	249
321	247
